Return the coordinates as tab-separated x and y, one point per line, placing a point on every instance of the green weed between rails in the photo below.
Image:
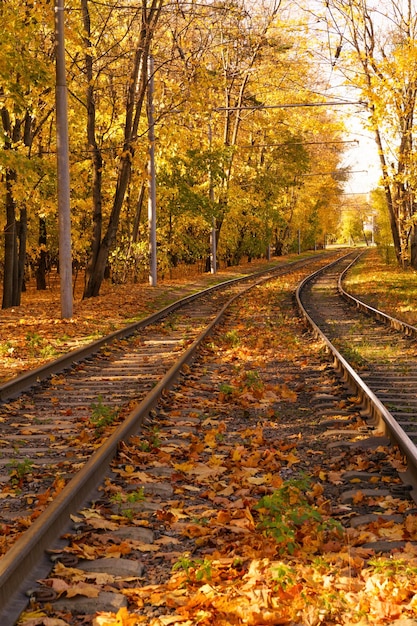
232	337
226	389
102	415
123	500
285	512
7	348
248	380
253	380
390	568
134	496
196	570
353	356
18	470
152	441
284	575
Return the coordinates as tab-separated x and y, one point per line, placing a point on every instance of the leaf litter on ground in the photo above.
248	537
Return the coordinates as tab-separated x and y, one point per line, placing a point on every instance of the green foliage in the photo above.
253	380
102	415
196	570
18	470
38	347
122	501
284	575
6	348
128	260
392	567
232	337
226	389
287	516
151	441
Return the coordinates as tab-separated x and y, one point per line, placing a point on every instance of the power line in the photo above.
295	143
289	106
339	172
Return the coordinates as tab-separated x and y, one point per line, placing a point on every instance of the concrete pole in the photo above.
213	248
213	240
63	183
152	180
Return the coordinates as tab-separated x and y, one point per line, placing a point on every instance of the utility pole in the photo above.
213	240
213	248
152	181
63	179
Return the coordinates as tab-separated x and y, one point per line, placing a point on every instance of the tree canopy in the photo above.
238	140
375	48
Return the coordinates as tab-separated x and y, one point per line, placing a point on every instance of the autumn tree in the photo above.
230	96
26	105
227	147
377	52
114	67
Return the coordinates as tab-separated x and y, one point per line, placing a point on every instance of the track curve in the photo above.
374	353
127	371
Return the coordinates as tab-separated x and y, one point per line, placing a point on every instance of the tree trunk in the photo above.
10	244
41	266
134	102
413	247
138	213
393	218
97	266
21	256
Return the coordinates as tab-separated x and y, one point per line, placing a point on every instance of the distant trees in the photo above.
229	150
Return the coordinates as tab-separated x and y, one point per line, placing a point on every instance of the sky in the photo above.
361	158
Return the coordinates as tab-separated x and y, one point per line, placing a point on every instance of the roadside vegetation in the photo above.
379	281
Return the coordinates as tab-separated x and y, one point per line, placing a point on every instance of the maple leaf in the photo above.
410	525
122	618
83	589
100	523
57	584
358	497
335	477
396	532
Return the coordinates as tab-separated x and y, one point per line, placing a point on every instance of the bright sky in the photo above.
361	158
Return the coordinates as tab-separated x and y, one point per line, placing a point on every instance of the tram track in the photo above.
51	434
183	491
374	353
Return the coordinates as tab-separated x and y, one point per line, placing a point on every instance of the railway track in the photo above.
374	352
63	423
181	494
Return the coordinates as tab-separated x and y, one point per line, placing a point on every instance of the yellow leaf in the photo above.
27	616
184	467
237	453
210	439
83	589
358	497
253	480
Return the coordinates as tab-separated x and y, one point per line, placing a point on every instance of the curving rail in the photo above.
382	417
26	560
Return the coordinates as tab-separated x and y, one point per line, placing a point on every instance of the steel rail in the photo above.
393	322
26	560
17	385
377	411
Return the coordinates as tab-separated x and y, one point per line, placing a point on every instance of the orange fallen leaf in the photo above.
83	589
